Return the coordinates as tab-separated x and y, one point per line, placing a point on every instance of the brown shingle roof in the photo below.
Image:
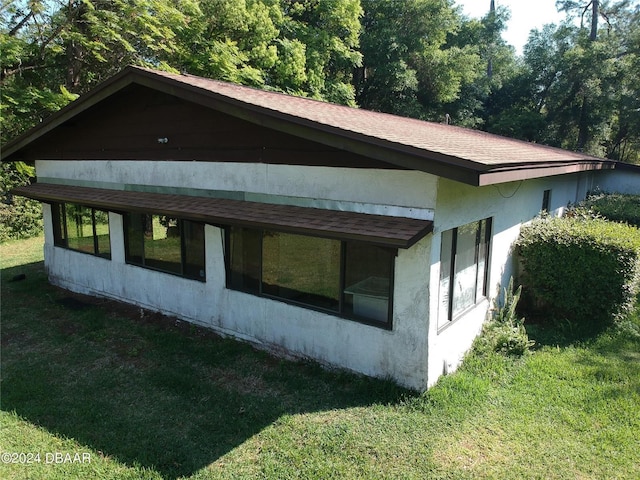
465	155
379	229
463	143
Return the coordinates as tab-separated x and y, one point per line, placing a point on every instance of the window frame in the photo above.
59	220
478	294
127	216
546	201
340	312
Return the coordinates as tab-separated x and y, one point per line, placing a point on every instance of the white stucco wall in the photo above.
386	192
509	205
619	181
399	354
414	353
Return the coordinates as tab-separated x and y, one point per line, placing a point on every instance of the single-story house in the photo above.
362	240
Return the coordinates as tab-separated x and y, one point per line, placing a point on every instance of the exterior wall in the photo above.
386	192
510	205
414	353
399	354
619	181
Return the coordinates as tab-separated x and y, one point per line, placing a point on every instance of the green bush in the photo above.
505	332
616	207
19	217
582	270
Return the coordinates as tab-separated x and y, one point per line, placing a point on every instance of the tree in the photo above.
54	50
302	47
498	64
574	91
622	141
330	33
20	217
231	40
24	40
571	6
607	84
409	68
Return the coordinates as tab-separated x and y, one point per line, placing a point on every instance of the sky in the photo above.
525	16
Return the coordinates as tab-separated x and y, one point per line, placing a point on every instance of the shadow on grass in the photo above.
149	390
611	352
547	331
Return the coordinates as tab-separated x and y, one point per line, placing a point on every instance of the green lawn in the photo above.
143	396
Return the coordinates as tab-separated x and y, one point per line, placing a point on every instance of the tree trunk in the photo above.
74	66
74	49
492	12
595	5
583	125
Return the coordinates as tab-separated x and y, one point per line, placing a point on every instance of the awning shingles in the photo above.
399	232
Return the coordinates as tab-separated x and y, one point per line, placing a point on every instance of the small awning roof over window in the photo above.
384	230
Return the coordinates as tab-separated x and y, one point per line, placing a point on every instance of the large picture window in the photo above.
80	228
351	279
463	268
302	269
166	244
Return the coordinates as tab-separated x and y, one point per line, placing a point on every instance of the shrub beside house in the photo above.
583	269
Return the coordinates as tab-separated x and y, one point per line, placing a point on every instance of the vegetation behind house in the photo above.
20	217
616	207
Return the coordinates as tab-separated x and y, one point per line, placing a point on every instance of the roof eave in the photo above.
383	230
510	173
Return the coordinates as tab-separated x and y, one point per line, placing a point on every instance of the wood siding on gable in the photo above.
134	123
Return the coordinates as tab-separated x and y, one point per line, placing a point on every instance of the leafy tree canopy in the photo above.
576	85
578	88
410	68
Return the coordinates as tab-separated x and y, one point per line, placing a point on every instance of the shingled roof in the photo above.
396	232
469	156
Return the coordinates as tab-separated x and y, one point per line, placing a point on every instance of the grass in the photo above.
149	397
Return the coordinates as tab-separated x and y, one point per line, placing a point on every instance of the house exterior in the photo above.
361	240
625	178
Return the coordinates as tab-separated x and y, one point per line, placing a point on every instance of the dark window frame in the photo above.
546	201
127	217
393	252
478	295
61	233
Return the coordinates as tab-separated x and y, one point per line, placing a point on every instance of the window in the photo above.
351	279
463	268
546	200
368	281
166	244
80	228
302	269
